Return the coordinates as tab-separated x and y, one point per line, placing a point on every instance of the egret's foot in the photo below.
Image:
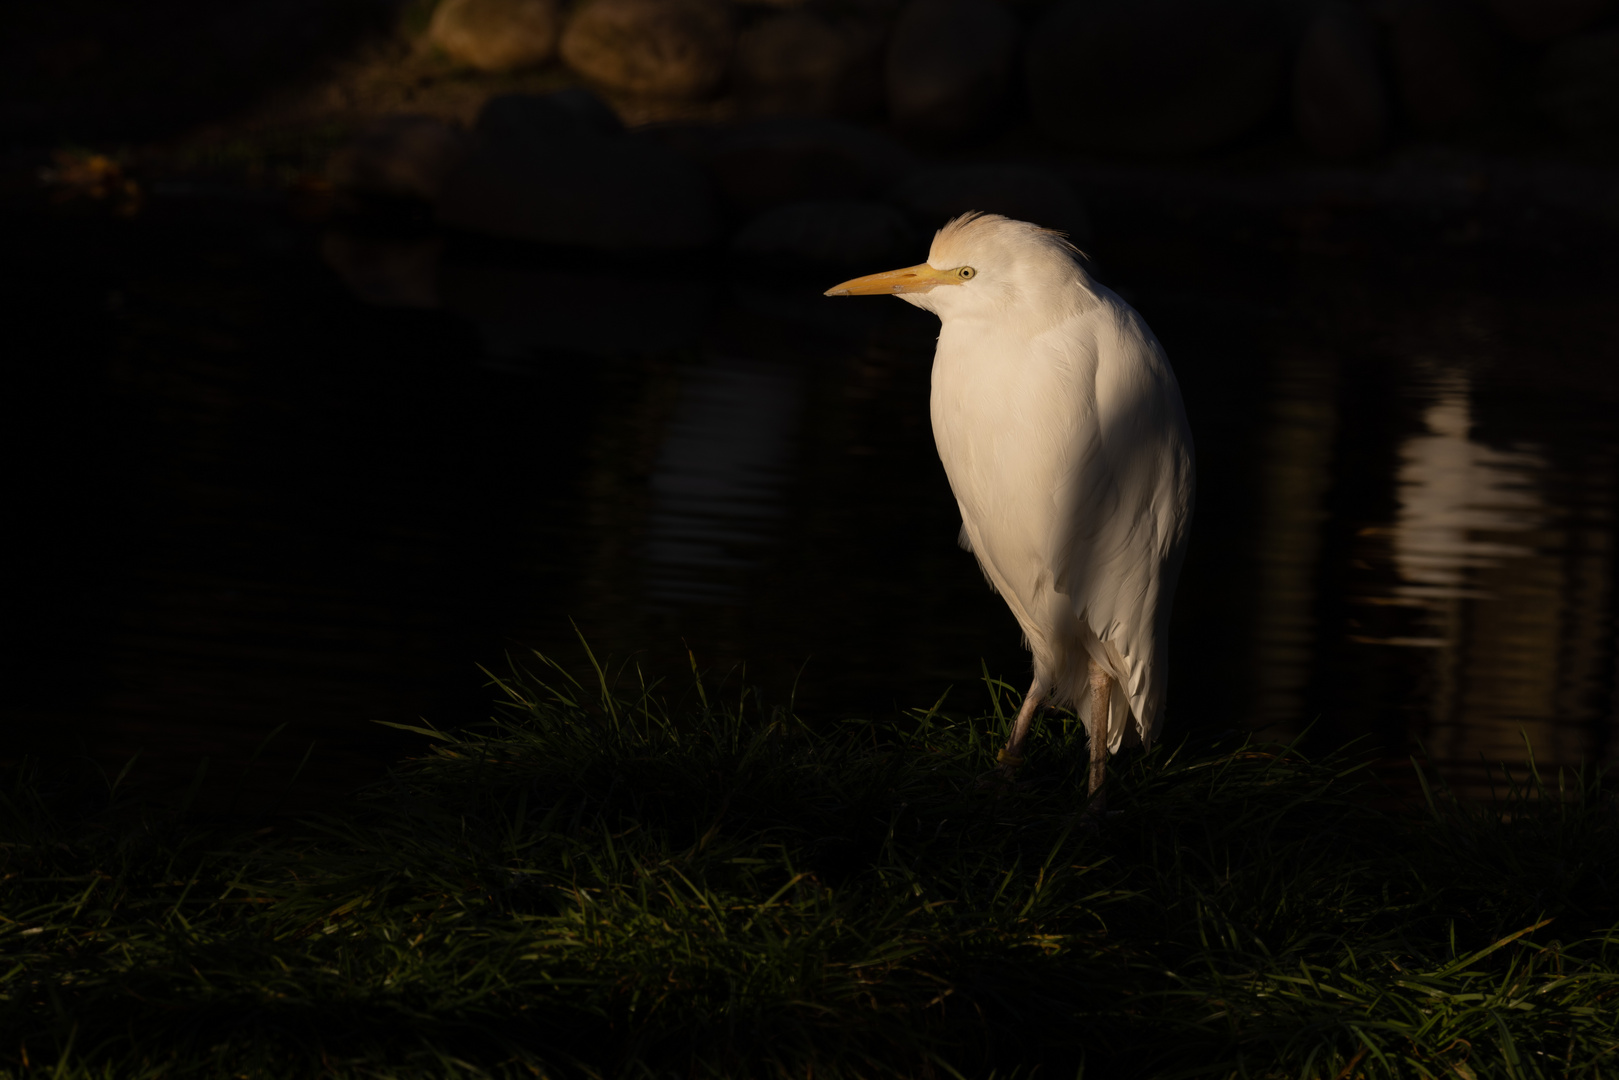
1009	765
1095	814
1004	775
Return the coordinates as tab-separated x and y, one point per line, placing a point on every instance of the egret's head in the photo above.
985	264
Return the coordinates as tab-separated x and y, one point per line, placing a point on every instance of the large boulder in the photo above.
555	169
399	157
830	232
795	159
1156	76
1340	108
497	35
949	66
800	62
1577	86
1547	20
664	48
1445	55
1024	192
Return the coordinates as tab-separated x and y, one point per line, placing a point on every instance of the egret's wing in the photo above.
1125	505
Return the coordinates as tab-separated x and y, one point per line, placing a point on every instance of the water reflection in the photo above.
1453	493
1296	464
1403	531
719	485
1505	594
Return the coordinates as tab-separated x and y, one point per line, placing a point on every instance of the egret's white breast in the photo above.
1005	407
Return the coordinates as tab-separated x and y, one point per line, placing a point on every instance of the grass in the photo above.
600	884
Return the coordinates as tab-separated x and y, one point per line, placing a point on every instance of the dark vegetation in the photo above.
602	884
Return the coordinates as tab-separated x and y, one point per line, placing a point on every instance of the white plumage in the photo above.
1061	429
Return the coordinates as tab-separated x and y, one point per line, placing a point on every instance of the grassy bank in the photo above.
601	885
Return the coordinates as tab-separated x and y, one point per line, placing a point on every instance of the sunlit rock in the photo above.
554	170
950	65
497	35
800	62
1547	20
1577	86
793	159
1340	108
1025	192
1444	54
673	48
1156	76
405	157
834	232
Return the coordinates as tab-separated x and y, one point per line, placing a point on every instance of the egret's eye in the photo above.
966	273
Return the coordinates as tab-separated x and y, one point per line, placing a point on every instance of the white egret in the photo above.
1061	428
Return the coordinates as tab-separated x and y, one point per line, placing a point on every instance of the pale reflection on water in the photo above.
1453	493
1405	525
1508	597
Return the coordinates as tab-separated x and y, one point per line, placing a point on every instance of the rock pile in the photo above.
1156	76
669	48
400	157
559	169
1137	77
950	65
802	62
497	35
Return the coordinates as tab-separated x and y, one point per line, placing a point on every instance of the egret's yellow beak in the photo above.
912	279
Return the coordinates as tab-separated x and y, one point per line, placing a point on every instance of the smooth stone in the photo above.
1577	86
546	171
595	311
666	48
401	157
841	232
1444	58
795	159
1156	76
801	63
1547	20
1024	192
497	35
950	66
1340	107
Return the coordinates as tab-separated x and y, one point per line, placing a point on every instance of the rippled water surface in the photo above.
269	474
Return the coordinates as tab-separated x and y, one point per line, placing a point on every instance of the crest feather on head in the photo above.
976	226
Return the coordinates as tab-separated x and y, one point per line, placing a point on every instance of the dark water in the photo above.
267	473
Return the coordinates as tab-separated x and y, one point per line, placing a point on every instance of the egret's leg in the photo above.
1101	685
1012	756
